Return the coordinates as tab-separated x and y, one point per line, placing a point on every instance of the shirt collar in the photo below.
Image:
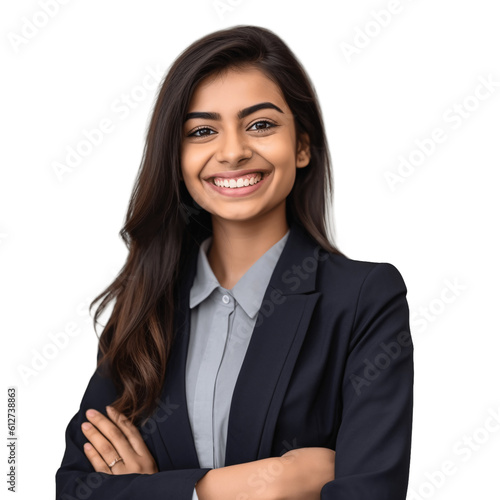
250	289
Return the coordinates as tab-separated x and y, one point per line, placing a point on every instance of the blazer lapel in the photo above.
275	344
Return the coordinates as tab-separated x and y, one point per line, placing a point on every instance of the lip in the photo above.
242	191
236	174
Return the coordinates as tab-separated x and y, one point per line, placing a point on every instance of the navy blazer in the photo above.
329	364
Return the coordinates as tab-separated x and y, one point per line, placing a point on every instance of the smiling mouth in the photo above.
238	182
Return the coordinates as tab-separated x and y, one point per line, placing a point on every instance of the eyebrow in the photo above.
207	115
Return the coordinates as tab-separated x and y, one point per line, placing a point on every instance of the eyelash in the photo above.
269	123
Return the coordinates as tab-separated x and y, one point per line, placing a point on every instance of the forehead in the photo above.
234	89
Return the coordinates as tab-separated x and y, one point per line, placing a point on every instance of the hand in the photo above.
112	438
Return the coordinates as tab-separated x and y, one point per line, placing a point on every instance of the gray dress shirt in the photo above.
222	322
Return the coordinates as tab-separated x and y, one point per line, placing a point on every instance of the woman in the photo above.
245	356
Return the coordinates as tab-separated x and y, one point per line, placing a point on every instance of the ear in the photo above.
303	151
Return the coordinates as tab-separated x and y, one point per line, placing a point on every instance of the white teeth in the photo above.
237	183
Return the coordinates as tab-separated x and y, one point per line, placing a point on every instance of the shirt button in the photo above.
225	299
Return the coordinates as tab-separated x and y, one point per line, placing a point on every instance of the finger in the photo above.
129	430
102	446
95	459
112	434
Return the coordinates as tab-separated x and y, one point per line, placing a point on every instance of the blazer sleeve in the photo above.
76	478
374	437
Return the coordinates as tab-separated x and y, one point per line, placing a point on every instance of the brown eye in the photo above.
262	125
201	132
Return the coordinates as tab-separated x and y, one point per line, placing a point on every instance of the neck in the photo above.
236	246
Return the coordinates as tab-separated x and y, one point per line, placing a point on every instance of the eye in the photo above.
262	125
201	132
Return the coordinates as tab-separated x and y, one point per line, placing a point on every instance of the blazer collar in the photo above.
280	329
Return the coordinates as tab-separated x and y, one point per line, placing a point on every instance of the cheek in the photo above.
279	153
192	161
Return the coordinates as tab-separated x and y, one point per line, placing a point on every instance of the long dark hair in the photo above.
164	224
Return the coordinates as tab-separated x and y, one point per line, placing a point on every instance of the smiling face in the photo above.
239	151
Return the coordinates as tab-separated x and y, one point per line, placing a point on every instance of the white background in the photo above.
59	242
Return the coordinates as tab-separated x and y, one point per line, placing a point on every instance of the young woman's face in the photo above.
240	131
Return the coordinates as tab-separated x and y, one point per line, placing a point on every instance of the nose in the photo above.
232	148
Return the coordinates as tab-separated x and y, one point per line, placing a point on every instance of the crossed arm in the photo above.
301	473
372	448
